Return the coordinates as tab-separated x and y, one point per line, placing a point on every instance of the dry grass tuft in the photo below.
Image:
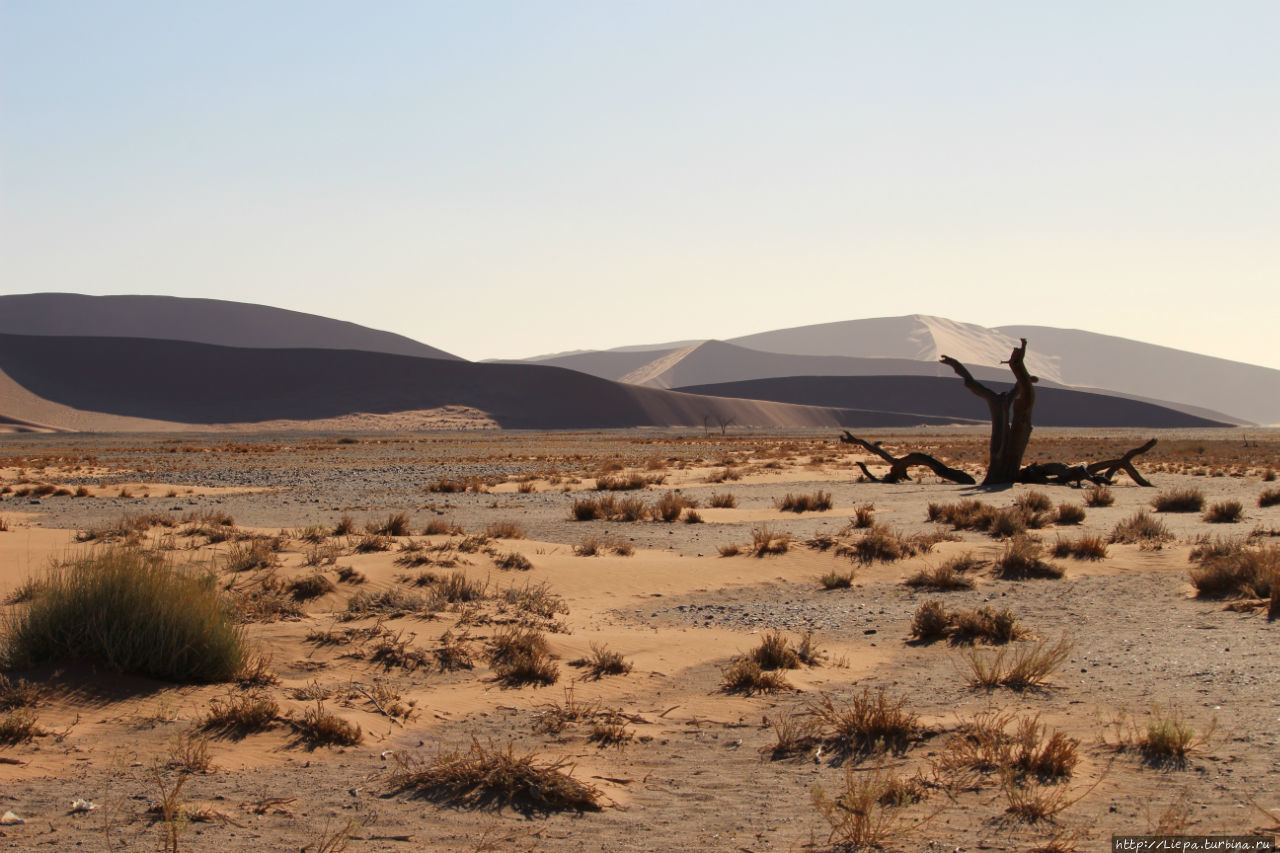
492	777
1025	668
19	726
745	676
1022	559
593	546
1141	529
1224	512
1099	496
819	501
864	515
1229	568
933	622
871	722
1269	497
513	561
311	586
722	501
866	812
730	550
395	525
1179	500
1084	547
836	579
948	575
1034	501
520	655
1069	514
505	530
766	540
884	543
603	661
241	713
320	727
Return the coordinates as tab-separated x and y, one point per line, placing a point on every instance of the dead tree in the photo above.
1010	434
898	465
1010	416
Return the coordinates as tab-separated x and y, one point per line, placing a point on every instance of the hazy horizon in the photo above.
504	180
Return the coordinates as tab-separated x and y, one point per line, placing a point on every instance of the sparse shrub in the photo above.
82	492
1022	559
864	814
520	655
454	652
1099	496
240	713
1141	529
586	509
371	543
390	603
996	627
132	612
603	661
251	555
513	560
504	530
485	777
1034	501
774	652
931	621
1269	497
948	575
722	501
884	543
863	516
1179	500
438	527
835	579
795	732
669	506
312	586
1069	514
730	550
318	726
593	546
819	501
744	675
345	526
456	587
610	730
347	574
395	525
1230	569
692	516
1224	512
1084	547
18	694
19	726
1168	737
766	540
1023	668
535	599
870	722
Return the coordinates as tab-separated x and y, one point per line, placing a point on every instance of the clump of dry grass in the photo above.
390	603
774	652
1014	748
746	676
1025	668
1269	497
610	730
836	579
722	501
1034	501
603	661
593	546
766	540
948	575
520	655
1069	514
668	507
396	524
819	501
932	622
441	527
454	652
311	586
513	560
345	526
1084	547
1179	500
886	544
864	515
870	722
241	713
1022	559
1099	496
19	694
317	726
1229	568
372	543
619	482
19	726
1164	738
865	812
731	550
505	530
1141	529
492	777
1224	512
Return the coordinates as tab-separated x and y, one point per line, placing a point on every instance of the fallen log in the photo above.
898	465
1110	467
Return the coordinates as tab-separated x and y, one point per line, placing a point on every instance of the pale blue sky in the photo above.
505	179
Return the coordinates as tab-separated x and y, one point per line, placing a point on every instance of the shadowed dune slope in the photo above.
948	398
190	383
1104	361
206	321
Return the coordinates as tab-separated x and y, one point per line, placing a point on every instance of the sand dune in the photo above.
131	384
948	398
208	321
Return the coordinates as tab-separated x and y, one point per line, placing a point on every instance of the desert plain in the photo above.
382	580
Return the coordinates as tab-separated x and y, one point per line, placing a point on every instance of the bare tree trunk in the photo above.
1010	416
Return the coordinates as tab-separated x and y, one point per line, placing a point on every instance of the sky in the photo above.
504	179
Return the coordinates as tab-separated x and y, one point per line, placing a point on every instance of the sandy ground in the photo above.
696	772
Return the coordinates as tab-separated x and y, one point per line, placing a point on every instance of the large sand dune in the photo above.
948	398
207	321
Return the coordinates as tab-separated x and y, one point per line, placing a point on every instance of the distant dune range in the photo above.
206	321
144	384
943	399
